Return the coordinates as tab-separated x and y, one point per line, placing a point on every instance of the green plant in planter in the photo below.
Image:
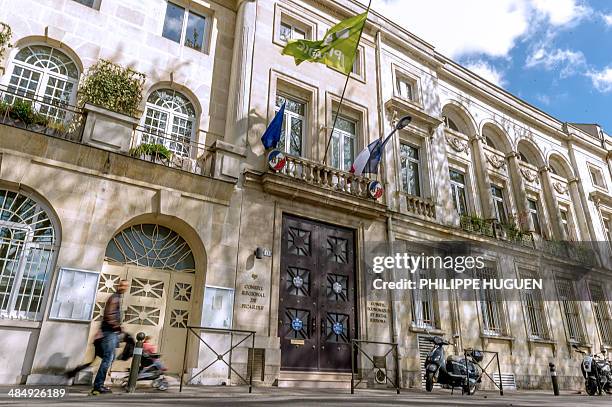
155	151
5	108
58	127
5	38
22	110
113	87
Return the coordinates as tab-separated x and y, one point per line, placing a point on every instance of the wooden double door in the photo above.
317	296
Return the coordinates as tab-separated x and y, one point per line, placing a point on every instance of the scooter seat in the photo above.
456	358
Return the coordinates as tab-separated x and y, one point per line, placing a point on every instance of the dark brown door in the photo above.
317	296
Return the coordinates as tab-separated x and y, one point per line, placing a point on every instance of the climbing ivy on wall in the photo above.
113	87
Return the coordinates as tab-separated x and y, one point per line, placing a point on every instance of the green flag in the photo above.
337	49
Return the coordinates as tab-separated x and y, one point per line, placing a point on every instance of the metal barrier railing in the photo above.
484	372
357	349
220	357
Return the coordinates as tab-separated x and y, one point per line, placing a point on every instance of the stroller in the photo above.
150	369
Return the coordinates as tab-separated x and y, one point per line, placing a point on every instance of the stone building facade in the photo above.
474	161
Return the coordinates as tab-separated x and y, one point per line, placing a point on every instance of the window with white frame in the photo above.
458	194
566	223
343	143
186	27
291	31
46	74
423	311
570	309
357	63
498	204
532	206
449	123
597	177
406	87
27	246
535	311
601	309
169	120
491	304
410	169
294	124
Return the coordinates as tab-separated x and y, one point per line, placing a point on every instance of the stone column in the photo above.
237	122
552	204
583	225
518	188
482	177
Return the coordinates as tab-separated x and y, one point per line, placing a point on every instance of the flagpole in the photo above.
348	77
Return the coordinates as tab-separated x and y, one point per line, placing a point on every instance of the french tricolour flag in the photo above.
367	160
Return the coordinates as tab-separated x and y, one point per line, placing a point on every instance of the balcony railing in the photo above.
325	177
420	206
186	155
580	252
494	229
57	119
40	115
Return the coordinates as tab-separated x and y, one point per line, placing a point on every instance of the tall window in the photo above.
533	304
410	171
458	192
498	203
449	123
597	177
607	226
565	223
46	73
90	3
290	31
423	311
293	125
185	27
601	308
535	217
491	304
571	311
170	119
343	144
27	243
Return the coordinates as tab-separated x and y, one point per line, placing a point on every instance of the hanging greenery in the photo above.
113	87
5	38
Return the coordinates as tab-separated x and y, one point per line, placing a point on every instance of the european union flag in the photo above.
273	133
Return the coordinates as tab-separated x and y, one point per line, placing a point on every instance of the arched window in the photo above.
170	116
150	245
450	123
27	244
47	73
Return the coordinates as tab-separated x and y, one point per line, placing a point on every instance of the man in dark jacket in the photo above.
110	330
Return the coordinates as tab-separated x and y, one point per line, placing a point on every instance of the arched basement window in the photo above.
27	245
153	246
46	73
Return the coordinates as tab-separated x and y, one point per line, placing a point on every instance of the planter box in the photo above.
108	130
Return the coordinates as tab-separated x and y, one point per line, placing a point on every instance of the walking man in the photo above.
110	330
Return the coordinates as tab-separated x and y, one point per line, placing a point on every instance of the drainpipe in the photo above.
395	312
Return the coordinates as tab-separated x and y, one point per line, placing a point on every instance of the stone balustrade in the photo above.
420	206
326	177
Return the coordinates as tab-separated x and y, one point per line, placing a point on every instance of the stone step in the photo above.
315	380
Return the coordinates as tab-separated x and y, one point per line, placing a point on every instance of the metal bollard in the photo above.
135	367
553	376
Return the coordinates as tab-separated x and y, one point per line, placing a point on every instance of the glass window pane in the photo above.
194	36
173	23
296	136
335	149
285	32
299	34
348	152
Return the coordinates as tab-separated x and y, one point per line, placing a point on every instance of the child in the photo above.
151	351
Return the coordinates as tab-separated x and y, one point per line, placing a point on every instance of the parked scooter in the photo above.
451	372
597	372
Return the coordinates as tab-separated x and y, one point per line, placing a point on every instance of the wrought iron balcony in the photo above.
53	118
494	229
580	252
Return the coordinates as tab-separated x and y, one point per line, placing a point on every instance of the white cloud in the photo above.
458	28
602	80
566	61
542	98
607	18
487	71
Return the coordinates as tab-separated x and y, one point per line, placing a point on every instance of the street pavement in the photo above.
268	397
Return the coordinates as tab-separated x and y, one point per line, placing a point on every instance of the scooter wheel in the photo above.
429	381
591	387
163	385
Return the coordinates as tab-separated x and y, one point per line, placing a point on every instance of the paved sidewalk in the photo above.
268	397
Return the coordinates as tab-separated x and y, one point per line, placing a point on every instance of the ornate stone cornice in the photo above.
496	161
529	175
457	144
560	187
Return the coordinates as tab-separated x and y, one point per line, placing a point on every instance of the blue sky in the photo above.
554	54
